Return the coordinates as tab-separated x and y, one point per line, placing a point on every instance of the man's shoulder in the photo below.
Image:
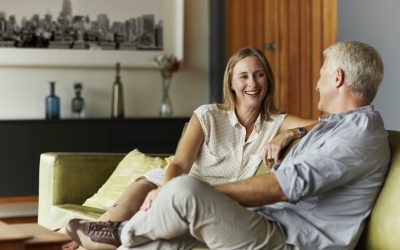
369	122
364	134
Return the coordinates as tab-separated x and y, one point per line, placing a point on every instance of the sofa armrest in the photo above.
71	178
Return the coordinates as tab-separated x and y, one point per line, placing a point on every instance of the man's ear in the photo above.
339	77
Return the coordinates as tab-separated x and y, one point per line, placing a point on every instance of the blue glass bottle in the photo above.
52	104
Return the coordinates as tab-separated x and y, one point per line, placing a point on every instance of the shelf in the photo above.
24	140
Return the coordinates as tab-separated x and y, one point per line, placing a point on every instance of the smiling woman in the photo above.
222	142
245	62
250	85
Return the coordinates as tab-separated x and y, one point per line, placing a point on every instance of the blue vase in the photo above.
52	104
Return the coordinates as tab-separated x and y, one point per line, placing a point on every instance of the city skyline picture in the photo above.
82	24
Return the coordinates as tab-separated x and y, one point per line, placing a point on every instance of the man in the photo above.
317	198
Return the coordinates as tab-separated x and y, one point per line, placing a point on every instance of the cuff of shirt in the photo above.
290	182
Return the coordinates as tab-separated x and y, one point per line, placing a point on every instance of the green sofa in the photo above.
66	180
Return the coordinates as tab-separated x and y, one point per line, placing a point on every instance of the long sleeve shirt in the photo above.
332	178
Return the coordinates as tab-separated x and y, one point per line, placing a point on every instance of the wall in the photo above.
23	90
377	23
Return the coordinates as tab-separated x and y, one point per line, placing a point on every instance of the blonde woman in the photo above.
228	141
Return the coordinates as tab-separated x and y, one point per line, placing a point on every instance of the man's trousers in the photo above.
189	213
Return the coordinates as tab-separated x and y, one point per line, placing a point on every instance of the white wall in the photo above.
377	23
23	90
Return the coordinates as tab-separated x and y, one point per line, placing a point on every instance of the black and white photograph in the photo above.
82	24
137	26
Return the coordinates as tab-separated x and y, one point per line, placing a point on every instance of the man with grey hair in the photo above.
317	198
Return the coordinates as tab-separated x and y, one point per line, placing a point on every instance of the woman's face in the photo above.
249	82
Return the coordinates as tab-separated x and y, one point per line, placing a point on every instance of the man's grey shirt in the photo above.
332	178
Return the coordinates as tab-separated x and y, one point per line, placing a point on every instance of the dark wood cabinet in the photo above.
22	142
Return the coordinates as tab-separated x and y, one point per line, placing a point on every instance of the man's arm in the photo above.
255	191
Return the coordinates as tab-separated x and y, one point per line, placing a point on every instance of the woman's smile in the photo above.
252	92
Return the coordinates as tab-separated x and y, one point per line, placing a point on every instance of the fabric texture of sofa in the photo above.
66	180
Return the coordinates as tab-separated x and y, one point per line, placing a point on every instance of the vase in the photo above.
77	103
52	104
166	107
117	99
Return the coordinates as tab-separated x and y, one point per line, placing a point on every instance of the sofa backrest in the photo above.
383	229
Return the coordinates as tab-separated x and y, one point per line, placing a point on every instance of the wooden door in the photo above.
292	34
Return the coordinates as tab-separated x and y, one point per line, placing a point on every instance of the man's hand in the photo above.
273	149
149	199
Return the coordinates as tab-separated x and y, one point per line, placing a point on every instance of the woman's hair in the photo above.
362	66
267	107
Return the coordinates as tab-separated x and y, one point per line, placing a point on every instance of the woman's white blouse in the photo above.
225	155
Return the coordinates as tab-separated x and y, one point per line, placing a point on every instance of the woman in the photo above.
224	142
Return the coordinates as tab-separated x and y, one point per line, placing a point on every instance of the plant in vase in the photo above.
168	65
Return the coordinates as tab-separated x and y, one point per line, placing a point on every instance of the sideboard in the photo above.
22	142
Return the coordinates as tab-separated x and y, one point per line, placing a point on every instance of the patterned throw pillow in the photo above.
132	166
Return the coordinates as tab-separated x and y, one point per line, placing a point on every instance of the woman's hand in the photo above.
149	199
275	146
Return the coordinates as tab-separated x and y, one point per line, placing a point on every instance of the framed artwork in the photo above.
89	33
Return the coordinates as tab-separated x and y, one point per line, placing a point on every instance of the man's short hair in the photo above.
362	66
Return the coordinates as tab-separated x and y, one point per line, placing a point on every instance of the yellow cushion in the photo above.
132	166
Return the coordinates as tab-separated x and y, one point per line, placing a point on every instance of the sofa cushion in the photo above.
131	167
76	211
381	232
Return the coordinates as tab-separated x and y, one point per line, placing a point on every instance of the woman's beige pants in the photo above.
189	213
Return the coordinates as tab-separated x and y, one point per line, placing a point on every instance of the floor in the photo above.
22	209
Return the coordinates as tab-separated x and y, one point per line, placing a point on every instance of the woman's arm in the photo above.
187	150
293	127
291	122
185	156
